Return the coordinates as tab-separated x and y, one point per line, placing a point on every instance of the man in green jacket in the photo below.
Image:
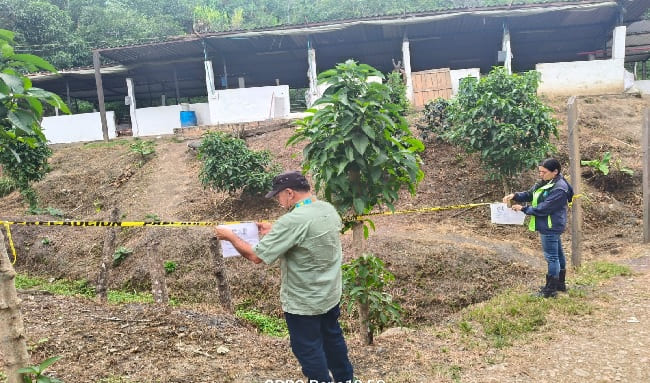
306	241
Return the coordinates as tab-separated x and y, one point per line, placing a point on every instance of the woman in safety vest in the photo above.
549	199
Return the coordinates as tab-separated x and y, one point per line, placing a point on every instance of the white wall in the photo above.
157	120
77	127
458	74
643	86
582	77
249	104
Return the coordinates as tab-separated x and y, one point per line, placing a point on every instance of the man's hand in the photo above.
507	198
516	207
224	234
263	227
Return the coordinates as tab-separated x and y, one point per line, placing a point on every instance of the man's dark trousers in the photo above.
318	344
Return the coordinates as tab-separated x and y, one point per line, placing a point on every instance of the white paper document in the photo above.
504	215
246	231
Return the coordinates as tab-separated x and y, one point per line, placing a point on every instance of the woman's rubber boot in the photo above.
561	281
550	290
541	288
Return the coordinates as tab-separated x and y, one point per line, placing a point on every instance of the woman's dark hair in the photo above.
551	164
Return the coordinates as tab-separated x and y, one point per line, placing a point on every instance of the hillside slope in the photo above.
443	261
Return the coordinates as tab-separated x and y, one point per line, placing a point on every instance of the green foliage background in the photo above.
65	31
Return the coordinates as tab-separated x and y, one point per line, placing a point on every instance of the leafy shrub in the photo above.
228	165
434	120
364	279
501	118
120	255
32	166
170	267
602	165
38	372
144	148
397	91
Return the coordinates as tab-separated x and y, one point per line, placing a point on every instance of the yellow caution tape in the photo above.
181	224
116	223
422	210
11	242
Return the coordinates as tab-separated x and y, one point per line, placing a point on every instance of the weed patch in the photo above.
513	314
266	324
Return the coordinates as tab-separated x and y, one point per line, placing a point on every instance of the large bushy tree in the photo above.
501	118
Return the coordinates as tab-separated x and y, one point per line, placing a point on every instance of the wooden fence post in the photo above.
220	274
646	175
574	159
156	272
107	258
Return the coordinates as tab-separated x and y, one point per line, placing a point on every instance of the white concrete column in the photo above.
242	82
406	59
209	77
505	47
131	95
313	94
163	99
618	43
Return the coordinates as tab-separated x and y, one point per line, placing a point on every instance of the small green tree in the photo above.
23	148
364	280
228	165
501	118
360	151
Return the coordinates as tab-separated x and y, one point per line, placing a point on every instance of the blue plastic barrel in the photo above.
188	118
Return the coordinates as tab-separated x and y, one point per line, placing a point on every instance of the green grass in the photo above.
591	274
266	324
83	288
58	287
514	314
109	144
7	185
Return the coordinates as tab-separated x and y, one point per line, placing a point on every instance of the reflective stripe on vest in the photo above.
536	194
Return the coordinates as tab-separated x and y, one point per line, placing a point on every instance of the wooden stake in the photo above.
646	175
220	274
574	160
107	258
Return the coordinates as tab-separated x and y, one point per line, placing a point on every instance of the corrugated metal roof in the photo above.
459	38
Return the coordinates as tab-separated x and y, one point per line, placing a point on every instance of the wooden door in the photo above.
429	85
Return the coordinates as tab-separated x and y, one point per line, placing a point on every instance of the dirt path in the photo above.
612	344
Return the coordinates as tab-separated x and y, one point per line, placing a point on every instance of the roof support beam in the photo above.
100	94
406	59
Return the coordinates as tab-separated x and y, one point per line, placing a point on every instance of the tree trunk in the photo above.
13	347
107	258
220	274
157	273
364	323
506	187
358	242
